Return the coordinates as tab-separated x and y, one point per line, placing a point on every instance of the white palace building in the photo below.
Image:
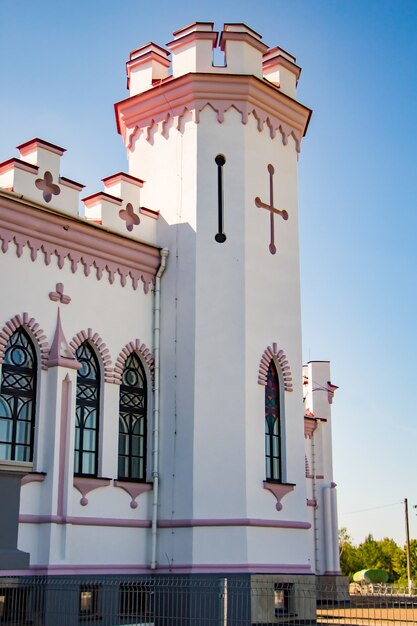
155	414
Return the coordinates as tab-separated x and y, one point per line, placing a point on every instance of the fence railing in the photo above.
230	600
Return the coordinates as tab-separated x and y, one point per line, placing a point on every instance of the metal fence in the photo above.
196	600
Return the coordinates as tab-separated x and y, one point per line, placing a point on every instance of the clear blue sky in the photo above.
62	69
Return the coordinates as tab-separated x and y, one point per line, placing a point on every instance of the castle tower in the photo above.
217	148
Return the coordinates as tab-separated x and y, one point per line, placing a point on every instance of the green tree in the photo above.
349	563
400	564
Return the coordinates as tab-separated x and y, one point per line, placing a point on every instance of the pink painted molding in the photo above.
63	430
311	502
58	295
310	425
330	391
84	521
248	522
35	330
94	338
280	490
60	353
85	485
134	490
77	241
14	163
133	346
192	92
273	353
34	144
35	477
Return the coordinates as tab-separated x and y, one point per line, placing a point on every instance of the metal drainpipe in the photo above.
156	409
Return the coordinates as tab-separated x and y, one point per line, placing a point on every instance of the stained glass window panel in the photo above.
272	425
17	398
132	421
87	412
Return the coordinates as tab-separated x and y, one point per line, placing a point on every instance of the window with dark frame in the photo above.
273	464
17	398
89	604
132	421
283	599
87	412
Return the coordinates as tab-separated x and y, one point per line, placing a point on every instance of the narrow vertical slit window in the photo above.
273	462
17	398
87	413
132	421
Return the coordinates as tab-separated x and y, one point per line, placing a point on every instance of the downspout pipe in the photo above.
156	405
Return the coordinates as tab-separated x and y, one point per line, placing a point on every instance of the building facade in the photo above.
155	416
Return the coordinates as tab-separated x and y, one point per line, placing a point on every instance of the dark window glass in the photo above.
87	413
17	398
272	425
132	421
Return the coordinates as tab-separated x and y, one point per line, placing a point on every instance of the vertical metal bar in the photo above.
220	160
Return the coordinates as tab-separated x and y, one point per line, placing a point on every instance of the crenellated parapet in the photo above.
255	80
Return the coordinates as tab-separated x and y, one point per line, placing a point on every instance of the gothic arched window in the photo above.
87	412
273	426
132	421
17	398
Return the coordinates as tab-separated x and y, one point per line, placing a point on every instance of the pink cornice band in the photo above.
94	338
83	521
133	346
250	568
76	241
192	92
35	330
278	356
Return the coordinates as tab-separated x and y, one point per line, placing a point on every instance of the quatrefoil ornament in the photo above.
129	216
48	188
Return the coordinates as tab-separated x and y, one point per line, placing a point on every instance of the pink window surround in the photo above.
76	241
95	339
278	356
134	490
134	346
273	110
35	330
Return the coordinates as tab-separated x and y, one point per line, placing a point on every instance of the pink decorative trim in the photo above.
47	186
84	521
129	216
192	92
149	212
121	176
134	490
250	568
246	37
23	320
133	346
310	425
66	391
37	477
330	391
67	182
273	353
319	476
311	502
333	485
99	197
60	353
97	341
85	485
280	490
77	240
247	522
332	573
34	144
10	164
58	295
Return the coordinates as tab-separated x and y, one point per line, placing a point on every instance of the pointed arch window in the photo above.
17	398
132	421
273	457
87	412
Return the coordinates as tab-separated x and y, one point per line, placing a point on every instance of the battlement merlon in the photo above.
192	52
